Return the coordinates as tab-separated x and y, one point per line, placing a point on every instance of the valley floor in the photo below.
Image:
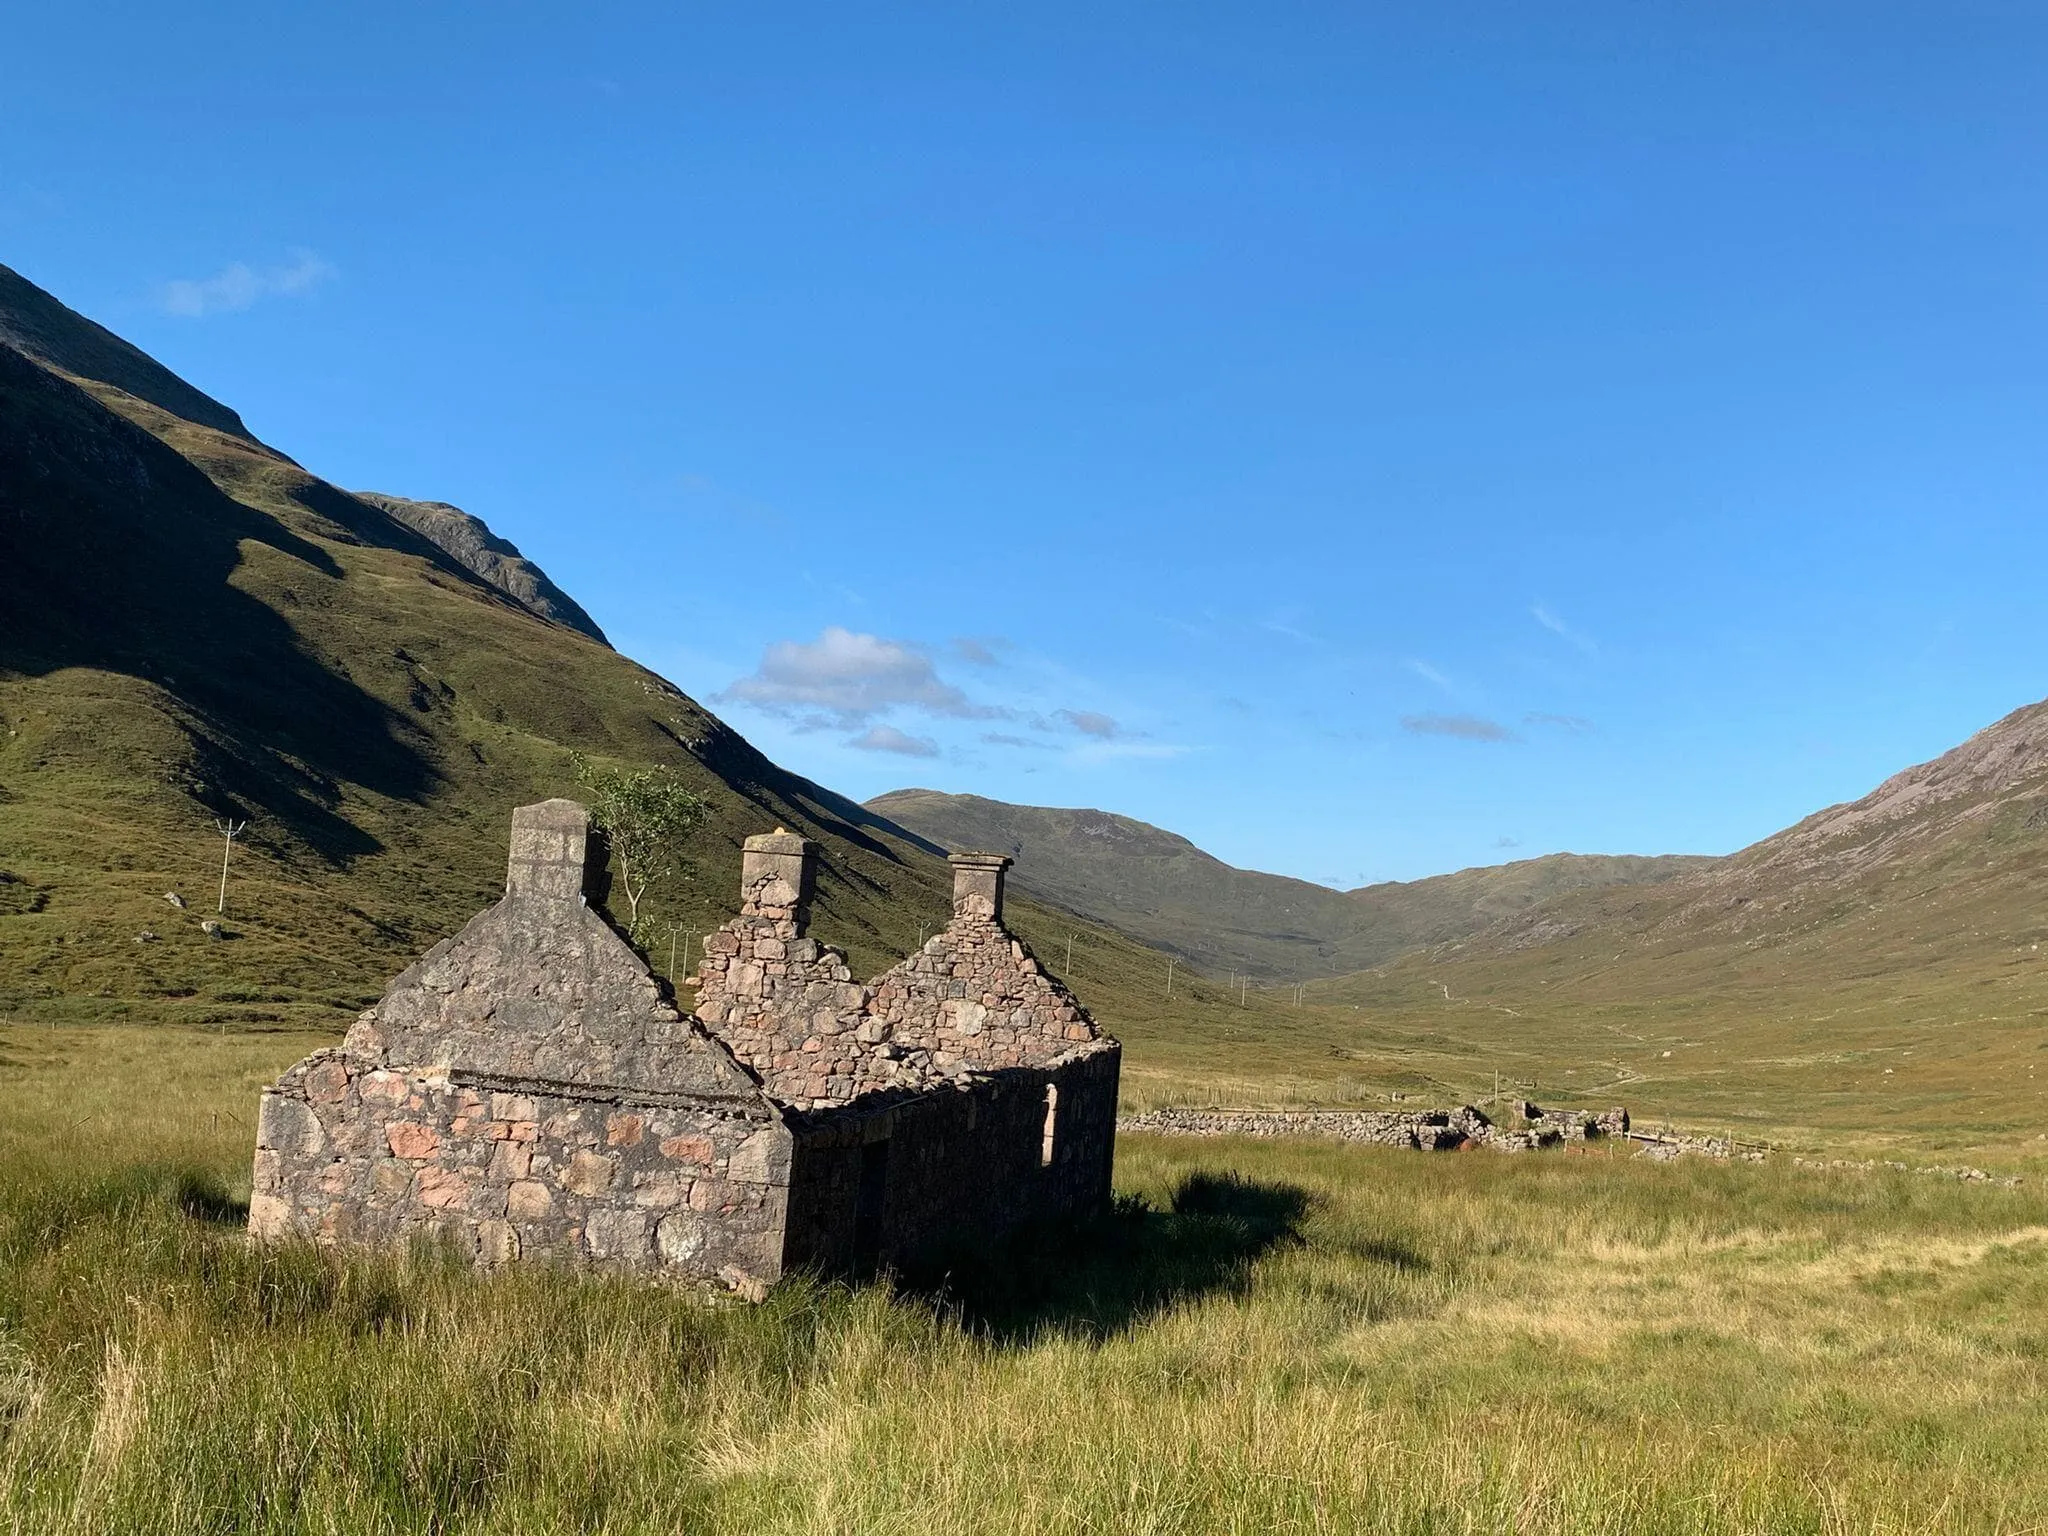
1267	1337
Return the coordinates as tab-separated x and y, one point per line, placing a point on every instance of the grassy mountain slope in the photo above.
194	627
1882	963
1161	888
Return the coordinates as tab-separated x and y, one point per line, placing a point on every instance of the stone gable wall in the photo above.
786	1005
544	989
526	1089
975	998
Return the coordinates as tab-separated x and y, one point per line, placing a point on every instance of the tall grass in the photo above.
1265	1337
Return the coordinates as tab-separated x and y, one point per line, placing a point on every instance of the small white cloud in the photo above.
851	677
1089	723
239	286
886	738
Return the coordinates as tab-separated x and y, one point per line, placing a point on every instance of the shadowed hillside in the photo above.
1161	888
193	627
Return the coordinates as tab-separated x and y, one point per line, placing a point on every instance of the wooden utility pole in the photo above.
1070	955
229	830
1169	975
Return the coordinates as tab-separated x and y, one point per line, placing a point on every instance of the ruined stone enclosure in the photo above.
529	1090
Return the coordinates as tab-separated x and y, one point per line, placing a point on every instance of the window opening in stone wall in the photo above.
1052	1124
869	1201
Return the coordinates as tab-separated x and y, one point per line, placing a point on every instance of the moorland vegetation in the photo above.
1264	1337
1261	1337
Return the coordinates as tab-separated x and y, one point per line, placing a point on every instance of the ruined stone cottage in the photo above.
527	1089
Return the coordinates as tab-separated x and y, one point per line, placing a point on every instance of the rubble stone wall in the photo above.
972	999
974	996
356	1153
787	1005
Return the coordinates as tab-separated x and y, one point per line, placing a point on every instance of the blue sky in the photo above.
1370	440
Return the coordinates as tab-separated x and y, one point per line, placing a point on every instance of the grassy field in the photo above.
1267	1337
1941	1057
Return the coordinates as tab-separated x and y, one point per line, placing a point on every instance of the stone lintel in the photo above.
978	884
780	856
549	844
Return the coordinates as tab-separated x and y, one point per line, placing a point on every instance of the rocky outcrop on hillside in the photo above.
1922	802
468	541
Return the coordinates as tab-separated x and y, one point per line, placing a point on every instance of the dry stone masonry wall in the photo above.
527	1090
1531	1129
972	1000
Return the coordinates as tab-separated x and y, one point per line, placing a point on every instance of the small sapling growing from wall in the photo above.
645	815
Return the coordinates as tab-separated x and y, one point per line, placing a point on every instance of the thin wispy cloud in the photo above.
1562	630
851	678
1430	674
886	738
1113	751
1578	725
979	653
239	286
1002	739
1459	727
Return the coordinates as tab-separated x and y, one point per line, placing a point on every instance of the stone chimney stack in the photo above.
978	884
778	869
548	846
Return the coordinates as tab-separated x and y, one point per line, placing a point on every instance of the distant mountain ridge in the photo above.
1159	887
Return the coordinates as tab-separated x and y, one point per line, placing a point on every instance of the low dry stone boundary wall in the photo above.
1528	1129
1962	1174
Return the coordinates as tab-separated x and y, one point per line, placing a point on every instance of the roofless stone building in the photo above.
527	1090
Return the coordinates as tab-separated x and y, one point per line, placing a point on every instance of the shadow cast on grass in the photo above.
203	1199
1105	1277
